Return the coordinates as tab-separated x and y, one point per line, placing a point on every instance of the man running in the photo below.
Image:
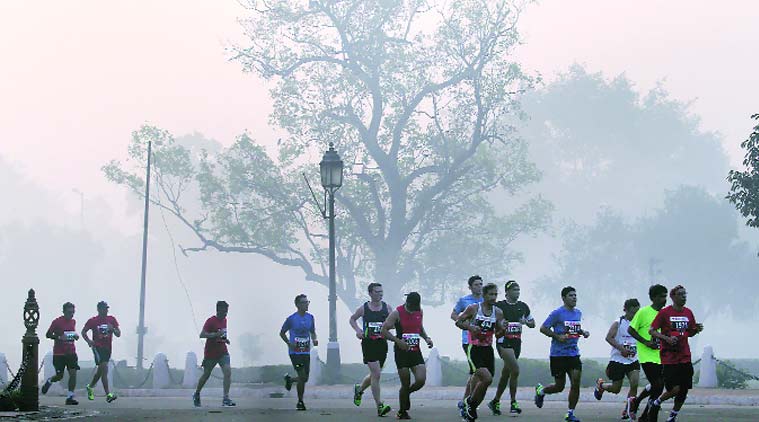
373	346
407	320
103	327
475	286
63	331
481	321
516	314
564	326
623	361
648	348
215	352
676	323
301	328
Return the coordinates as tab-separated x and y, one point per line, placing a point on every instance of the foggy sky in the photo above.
76	79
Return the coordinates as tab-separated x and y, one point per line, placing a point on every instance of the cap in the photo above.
103	305
414	299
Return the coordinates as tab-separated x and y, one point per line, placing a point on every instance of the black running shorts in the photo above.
374	351
301	362
652	371
678	374
513	344
617	371
407	359
61	362
562	365
481	357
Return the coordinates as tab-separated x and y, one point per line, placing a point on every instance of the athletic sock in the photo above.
571	412
648	387
673	413
70	395
657	403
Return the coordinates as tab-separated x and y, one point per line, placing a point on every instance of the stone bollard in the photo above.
191	373
30	391
434	369
161	371
708	373
315	376
3	369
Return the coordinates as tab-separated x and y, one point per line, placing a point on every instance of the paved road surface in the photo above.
328	410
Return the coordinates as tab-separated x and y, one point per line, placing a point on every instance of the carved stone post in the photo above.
30	399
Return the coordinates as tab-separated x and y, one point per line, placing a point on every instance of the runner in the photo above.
676	323
564	326
302	331
103	327
63	331
516	314
623	361
481	321
648	348
373	345
215	352
475	286
407	320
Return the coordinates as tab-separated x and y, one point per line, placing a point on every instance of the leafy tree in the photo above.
412	92
694	237
744	188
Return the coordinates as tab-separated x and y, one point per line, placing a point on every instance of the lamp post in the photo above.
141	329
331	170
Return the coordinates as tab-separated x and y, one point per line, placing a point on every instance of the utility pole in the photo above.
141	329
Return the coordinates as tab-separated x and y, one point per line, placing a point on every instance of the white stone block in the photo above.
315	376
708	372
191	372
161	371
434	369
3	369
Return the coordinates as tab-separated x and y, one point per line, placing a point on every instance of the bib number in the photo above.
679	324
514	330
302	344
69	335
375	330
573	329
412	339
103	329
631	348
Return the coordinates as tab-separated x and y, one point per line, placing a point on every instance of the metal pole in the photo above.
141	329
30	395
333	348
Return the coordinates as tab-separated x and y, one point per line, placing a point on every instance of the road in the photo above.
323	410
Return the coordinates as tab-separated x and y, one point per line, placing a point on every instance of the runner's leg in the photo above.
403	393
575	375
375	372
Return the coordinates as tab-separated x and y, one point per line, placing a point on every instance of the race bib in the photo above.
69	335
302	344
514	330
375	330
679	324
631	348
573	329
103	329
412	339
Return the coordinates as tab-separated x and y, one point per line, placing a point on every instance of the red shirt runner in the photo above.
101	336
215	347
60	327
409	327
681	324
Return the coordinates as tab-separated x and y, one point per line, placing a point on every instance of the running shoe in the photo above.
227	402
300	406
539	396
288	382
46	386
598	392
357	393
462	410
110	397
402	414
571	418
90	392
383	409
515	409
495	407
71	401
630	409
196	399
672	418
471	411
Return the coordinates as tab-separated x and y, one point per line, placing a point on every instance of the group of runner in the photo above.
103	327
654	337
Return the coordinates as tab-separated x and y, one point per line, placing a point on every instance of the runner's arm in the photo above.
427	339
456	311
85	336
611	337
463	319
356	315
313	335
117	331
388	325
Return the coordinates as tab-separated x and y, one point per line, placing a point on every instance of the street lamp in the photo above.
331	171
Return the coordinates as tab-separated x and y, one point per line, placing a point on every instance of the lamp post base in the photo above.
333	362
